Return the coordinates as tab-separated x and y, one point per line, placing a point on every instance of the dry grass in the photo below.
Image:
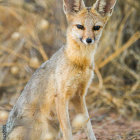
31	32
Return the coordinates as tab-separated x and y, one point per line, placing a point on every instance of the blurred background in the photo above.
31	31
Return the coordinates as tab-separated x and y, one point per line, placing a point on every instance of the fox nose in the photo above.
88	40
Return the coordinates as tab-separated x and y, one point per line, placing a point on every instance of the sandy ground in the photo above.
112	127
107	126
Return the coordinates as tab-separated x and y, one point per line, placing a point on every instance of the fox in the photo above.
43	106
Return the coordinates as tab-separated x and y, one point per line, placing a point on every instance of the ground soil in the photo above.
112	127
107	126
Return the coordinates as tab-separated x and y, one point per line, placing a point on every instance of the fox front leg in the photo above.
63	117
80	107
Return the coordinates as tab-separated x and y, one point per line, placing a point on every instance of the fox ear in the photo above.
73	6
105	7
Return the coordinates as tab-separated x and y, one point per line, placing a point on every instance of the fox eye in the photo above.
96	28
80	26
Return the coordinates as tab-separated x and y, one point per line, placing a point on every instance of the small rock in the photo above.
3	116
14	70
34	62
49	136
15	35
44	24
79	121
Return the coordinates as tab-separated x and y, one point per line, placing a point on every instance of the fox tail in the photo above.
2	132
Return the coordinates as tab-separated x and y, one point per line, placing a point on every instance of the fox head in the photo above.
85	24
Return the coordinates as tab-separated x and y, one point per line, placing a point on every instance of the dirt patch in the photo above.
107	126
113	127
